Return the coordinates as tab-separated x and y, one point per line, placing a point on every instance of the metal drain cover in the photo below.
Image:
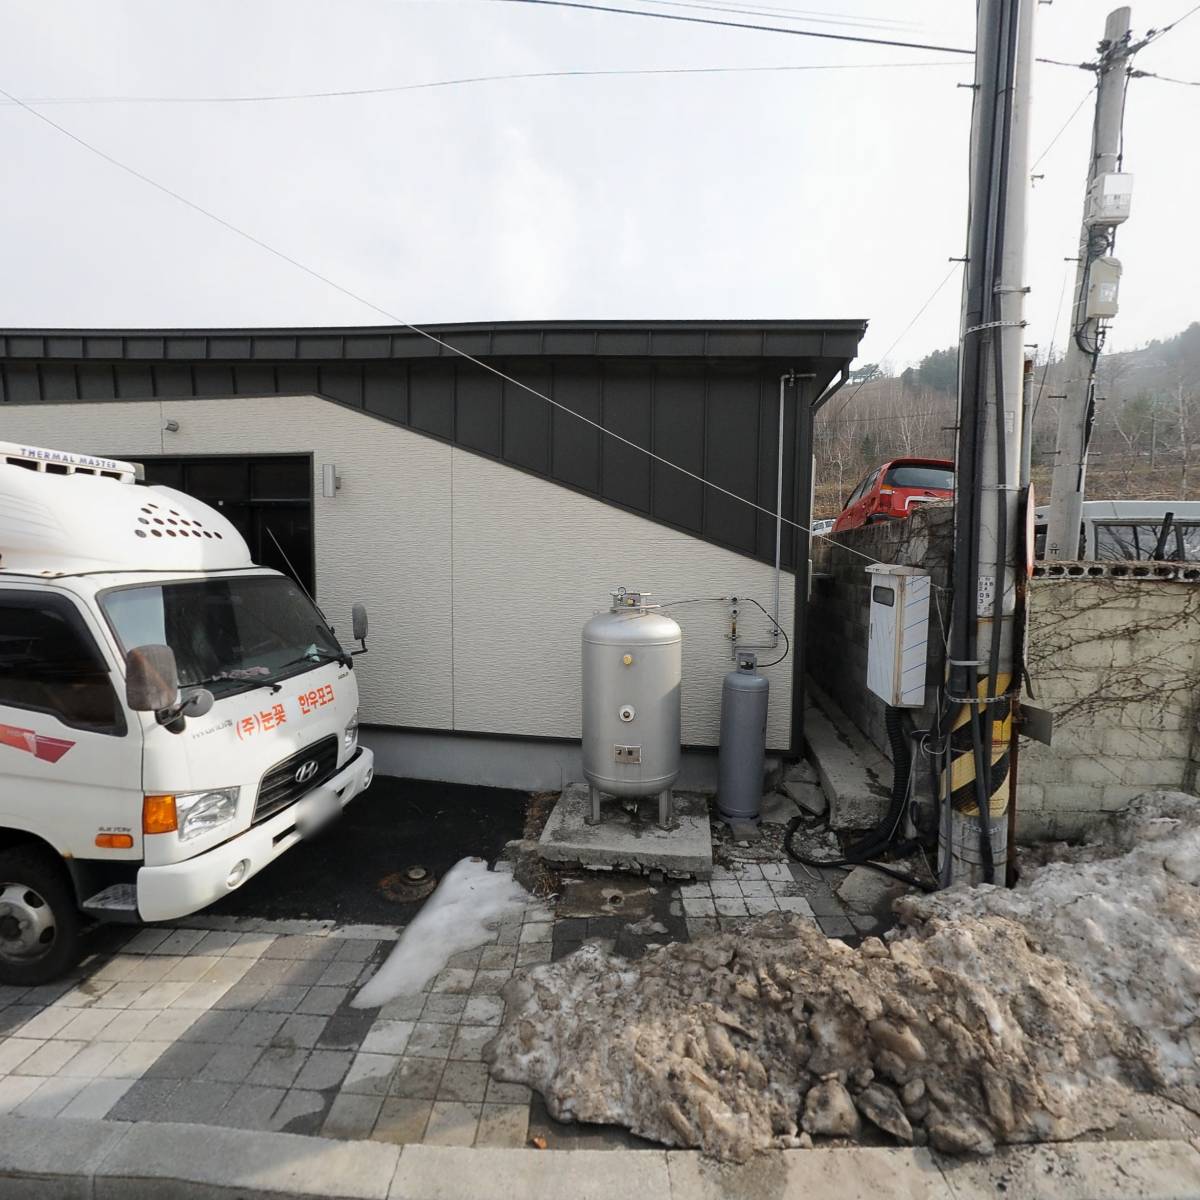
413	883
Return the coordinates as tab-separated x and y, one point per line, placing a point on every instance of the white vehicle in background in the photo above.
172	717
823	528
1125	530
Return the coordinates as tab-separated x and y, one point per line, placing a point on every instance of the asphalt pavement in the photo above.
344	873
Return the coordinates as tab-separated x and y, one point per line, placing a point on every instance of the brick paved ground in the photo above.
255	1030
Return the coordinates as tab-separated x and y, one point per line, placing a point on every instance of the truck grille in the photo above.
279	786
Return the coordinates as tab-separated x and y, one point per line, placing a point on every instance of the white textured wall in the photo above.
478	577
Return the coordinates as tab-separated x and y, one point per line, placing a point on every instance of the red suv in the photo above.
890	491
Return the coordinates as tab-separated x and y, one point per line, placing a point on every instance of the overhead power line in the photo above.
1164	78
465	80
809	33
1074	113
775	12
313	273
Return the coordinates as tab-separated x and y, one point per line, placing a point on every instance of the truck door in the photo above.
70	760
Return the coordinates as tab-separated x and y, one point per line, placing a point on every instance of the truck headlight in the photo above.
200	812
350	736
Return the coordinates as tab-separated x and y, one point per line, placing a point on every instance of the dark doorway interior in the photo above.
268	499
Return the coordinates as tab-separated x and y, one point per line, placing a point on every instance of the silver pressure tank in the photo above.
632	661
742	755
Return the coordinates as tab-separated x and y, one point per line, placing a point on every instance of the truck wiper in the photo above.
251	684
315	657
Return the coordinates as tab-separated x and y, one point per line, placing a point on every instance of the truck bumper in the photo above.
177	889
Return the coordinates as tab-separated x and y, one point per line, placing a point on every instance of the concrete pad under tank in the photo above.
626	842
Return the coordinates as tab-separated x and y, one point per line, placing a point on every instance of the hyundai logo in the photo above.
306	771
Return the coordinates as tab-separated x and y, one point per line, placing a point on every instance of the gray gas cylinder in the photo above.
744	696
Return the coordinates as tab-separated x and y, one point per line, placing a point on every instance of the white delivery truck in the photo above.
172	717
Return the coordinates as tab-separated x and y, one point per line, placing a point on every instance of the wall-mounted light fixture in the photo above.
330	480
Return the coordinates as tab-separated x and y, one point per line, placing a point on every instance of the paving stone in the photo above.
503	1125
490	983
191	968
251	945
730	906
370	1074
777	871
215	1026
322	1001
463	1081
14	1051
126	1026
356	949
346	1030
755	887
14	1089
15	1016
699	908
121	995
95	1098
251	1107
50	1097
417	1078
388	1037
352	1116
444	1008
836	927
402	1120
133	1059
301	1112
758	906
144	1100
282	999
725	888
324	1069
145	941
257	1029
227	971
242	997
407	1008
183	1060
338	974
49	1058
278	1066
91	1060
508	935
568	929
469	1041
217	941
149	970
452	1123
196	1101
300	1030
170	1026
268	972
468	959
824	903
559	951
231	1064
301	946
499	958
794	904
453	979
47	1023
180	941
303	972
536	933
160	995
86	995
537	952
483	1010
429	1040
507	1093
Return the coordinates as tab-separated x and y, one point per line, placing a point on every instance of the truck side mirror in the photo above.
358	621
151	679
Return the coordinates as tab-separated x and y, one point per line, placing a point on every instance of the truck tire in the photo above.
39	923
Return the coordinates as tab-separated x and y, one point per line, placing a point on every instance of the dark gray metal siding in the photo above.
702	395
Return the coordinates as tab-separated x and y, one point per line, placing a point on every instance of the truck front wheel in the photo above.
39	923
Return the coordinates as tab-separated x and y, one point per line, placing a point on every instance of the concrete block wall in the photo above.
1116	661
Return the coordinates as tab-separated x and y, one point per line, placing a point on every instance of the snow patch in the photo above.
461	914
990	1016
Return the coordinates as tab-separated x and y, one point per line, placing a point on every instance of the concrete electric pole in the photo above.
973	839
1105	205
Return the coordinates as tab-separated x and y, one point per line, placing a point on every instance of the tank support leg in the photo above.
666	809
593	817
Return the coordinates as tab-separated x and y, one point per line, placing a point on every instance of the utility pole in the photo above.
1105	205
973	835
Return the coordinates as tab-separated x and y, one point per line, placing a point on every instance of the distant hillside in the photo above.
1146	440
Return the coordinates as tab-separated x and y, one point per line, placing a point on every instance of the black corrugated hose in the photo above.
884	835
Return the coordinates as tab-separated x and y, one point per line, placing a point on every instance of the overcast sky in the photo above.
786	194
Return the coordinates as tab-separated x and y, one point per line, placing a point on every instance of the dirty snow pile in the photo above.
989	1016
461	914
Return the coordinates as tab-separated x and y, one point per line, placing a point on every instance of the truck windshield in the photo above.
228	634
915	475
